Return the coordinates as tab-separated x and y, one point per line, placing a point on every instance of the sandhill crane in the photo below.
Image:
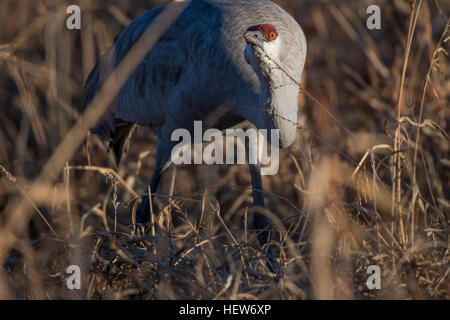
218	53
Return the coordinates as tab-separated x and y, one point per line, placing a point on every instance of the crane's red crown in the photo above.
268	30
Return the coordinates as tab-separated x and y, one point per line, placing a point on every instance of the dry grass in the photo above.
367	181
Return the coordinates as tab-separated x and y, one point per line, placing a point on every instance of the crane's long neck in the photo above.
279	99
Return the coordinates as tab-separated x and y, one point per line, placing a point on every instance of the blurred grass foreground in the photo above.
366	183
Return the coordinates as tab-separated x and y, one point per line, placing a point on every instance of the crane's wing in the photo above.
142	99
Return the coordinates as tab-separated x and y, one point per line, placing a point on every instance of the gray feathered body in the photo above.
198	67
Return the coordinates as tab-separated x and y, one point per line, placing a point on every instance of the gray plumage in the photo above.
199	67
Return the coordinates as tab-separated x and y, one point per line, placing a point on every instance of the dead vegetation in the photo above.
366	183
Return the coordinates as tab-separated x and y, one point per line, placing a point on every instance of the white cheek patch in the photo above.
273	49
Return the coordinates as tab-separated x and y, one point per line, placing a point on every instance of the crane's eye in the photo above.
272	35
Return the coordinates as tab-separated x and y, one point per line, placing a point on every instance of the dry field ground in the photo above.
366	183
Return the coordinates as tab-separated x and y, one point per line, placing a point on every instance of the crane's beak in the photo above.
251	38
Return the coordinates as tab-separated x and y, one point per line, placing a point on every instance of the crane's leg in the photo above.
260	221
161	163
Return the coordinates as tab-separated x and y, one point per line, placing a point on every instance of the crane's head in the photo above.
267	52
261	33
263	45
